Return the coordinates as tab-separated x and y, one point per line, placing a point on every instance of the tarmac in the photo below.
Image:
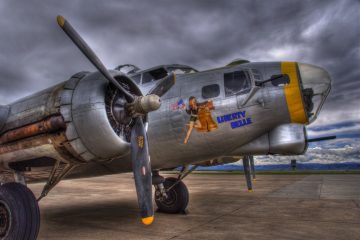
280	207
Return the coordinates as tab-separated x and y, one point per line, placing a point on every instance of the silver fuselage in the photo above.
276	126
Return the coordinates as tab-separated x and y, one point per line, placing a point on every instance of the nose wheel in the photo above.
19	212
176	198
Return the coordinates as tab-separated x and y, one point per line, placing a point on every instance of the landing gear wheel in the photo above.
19	213
177	197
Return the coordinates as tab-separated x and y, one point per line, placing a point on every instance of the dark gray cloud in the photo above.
34	53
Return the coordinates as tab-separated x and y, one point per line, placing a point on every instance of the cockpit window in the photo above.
136	78
154	75
158	73
147	78
257	75
236	83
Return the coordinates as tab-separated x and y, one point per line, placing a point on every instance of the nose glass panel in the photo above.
316	84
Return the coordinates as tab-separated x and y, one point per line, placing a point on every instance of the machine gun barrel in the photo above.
320	139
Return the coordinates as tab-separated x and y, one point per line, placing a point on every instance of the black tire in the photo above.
19	213
178	197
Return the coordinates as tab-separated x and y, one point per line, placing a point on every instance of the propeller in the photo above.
89	53
142	170
136	106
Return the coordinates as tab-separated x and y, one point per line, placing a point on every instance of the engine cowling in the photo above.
93	111
91	122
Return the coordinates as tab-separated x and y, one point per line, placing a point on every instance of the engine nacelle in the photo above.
286	139
86	105
88	127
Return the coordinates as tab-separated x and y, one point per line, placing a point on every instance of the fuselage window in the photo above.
236	83
210	91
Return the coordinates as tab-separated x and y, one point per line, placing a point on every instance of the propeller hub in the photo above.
143	105
150	103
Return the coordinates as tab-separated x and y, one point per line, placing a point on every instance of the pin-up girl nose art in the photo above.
200	117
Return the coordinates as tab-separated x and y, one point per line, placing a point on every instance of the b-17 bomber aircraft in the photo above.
113	121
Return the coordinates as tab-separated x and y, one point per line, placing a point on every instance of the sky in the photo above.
35	53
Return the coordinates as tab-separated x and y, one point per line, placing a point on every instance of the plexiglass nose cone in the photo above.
316	84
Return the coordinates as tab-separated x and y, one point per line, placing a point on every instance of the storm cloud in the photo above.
35	53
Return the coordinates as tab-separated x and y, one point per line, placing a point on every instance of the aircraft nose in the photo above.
316	84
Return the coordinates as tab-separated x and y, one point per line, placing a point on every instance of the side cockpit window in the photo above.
136	78
236	83
147	78
257	75
154	75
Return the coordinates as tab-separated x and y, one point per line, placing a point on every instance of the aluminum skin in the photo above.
266	119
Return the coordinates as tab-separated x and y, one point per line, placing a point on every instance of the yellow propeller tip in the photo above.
250	190
147	220
61	20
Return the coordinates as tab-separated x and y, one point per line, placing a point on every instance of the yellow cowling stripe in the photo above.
293	94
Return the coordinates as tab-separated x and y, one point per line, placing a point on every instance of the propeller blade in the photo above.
142	170
89	53
163	85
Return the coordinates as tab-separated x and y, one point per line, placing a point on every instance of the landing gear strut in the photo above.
171	194
249	170
19	212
